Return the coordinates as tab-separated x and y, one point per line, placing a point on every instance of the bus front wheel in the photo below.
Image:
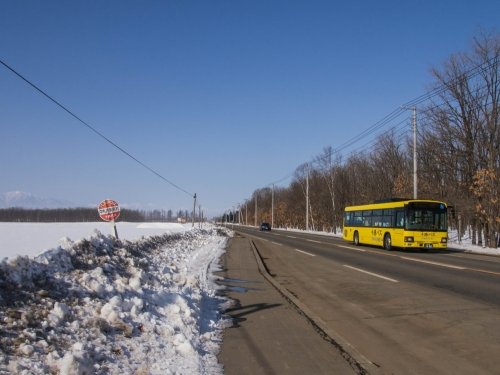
356	238
387	242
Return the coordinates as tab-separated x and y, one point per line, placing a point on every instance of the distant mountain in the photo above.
28	200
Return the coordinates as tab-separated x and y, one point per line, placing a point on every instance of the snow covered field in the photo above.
147	304
34	238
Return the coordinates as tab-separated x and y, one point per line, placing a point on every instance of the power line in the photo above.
398	131
370	130
420	99
95	130
378	125
471	73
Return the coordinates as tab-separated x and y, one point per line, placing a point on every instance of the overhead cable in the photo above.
95	130
471	73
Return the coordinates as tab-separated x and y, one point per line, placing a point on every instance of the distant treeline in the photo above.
82	214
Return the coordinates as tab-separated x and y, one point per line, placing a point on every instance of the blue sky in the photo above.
219	97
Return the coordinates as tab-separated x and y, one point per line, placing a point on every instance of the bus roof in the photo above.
389	204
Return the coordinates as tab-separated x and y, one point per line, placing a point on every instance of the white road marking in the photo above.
276	243
483	271
314	241
352	248
434	263
372	274
291	237
455	255
305	252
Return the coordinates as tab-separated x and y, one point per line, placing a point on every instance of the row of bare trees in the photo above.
85	214
458	158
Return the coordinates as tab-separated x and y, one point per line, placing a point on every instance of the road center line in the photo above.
483	271
372	274
352	248
434	263
305	252
314	241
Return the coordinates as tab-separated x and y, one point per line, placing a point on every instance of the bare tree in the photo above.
329	163
465	123
390	165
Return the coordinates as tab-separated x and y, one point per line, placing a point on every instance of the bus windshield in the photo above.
426	216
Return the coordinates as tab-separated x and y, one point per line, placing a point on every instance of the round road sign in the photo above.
109	210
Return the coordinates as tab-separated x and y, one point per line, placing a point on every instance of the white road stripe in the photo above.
291	237
352	248
276	243
483	271
314	241
434	263
372	274
305	252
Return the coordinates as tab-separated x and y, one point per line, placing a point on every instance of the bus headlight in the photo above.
409	239
444	240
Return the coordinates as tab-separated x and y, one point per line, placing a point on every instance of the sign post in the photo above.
109	210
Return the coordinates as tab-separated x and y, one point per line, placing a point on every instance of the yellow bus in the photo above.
413	224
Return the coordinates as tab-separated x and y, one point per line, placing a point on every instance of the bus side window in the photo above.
386	221
358	219
400	219
347	218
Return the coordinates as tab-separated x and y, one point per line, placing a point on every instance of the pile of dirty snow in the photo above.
104	306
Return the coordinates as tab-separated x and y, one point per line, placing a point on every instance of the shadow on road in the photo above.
238	312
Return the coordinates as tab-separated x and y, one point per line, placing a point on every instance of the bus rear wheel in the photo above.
356	238
387	242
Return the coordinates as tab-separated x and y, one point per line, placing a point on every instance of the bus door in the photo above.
399	227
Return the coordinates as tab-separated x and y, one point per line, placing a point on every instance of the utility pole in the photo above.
414	152
256	210
414	124
307	199
246	211
272	208
194	208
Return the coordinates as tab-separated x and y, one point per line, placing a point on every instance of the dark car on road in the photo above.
265	226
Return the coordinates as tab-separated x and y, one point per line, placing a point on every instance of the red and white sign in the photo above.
109	210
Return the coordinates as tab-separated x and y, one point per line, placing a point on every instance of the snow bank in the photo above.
102	306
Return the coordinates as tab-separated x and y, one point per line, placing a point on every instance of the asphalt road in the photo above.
407	312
